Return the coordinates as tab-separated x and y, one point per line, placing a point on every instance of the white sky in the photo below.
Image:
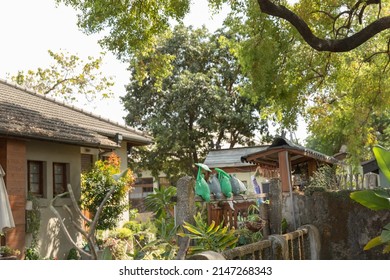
30	28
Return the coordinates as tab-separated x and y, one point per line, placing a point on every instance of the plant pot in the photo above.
254	226
29	205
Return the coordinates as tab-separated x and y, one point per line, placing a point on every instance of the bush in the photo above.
97	183
134	226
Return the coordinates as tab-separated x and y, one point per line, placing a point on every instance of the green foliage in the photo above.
209	237
160	202
133	226
372	199
121	233
164	247
33	224
323	177
382	157
96	183
377	200
196	107
66	77
31	254
6	251
246	236
132	26
344	97
73	254
116	249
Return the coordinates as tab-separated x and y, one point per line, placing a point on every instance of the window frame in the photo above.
40	179
64	174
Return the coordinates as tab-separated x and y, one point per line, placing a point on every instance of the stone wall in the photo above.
345	226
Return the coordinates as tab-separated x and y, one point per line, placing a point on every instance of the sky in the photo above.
30	28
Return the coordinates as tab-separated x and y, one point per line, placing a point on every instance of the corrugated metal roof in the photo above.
230	157
58	121
269	154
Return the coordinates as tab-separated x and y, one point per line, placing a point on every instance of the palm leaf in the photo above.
192	229
376	241
211	226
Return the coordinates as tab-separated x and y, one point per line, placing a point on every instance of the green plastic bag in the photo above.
201	186
224	180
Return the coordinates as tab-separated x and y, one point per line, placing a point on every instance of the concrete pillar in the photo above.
275	213
185	210
264	215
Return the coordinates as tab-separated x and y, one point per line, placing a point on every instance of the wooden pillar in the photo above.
285	170
185	210
312	167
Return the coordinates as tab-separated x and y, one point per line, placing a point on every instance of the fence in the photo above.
301	244
233	211
356	181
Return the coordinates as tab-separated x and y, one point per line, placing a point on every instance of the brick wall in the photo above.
13	160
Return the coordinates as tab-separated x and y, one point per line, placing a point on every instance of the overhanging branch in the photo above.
331	45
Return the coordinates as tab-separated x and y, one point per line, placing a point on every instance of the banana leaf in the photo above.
382	157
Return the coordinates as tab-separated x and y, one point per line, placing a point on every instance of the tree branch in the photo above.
331	45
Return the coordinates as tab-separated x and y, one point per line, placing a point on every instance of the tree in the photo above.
67	77
133	24
196	108
341	95
326	60
342	17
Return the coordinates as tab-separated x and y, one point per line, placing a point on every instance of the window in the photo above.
86	162
142	187
35	177
60	178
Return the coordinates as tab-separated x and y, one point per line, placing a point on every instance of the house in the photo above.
44	145
294	163
229	160
283	159
373	175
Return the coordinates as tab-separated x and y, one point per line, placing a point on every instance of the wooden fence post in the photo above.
185	210
275	213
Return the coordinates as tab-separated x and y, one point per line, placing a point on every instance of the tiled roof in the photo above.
32	115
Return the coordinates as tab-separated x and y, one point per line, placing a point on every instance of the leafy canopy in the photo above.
326	60
198	106
67	76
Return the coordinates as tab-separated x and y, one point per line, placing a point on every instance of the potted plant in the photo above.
7	253
253	221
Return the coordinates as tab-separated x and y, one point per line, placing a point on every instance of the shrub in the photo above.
97	183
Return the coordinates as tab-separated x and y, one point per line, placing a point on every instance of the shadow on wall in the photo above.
54	243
